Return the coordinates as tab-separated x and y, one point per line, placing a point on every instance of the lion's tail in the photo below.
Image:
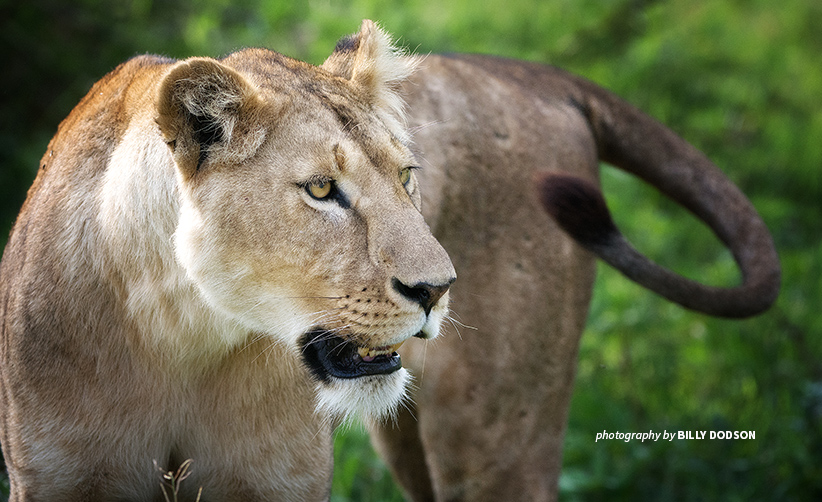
632	141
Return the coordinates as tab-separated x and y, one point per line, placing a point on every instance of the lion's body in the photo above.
88	402
504	383
208	245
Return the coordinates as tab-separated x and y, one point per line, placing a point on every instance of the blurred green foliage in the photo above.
740	79
360	475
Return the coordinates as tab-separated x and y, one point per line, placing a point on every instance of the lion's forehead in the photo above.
337	137
334	106
333	114
359	125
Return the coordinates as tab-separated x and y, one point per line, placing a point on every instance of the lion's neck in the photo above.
139	211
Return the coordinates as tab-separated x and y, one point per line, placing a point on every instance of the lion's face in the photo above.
300	220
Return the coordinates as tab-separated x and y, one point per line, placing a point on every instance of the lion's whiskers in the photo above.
457	324
416	129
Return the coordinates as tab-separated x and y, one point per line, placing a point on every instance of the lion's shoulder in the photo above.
113	98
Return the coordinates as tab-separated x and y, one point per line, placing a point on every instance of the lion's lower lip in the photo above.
329	355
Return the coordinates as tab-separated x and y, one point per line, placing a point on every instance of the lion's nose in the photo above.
423	293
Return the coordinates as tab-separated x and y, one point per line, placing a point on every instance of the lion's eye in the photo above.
405	175
320	190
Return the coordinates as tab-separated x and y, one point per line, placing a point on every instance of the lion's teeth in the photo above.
368	354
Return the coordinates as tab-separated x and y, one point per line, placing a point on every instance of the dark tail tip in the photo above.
578	207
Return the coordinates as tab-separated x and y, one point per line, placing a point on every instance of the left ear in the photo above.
371	62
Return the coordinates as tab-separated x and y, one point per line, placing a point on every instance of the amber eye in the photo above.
405	175
319	189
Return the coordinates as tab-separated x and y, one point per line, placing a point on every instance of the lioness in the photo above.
218	261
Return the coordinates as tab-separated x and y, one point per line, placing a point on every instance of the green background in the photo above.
740	79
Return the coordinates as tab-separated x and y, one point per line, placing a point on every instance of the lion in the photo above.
219	260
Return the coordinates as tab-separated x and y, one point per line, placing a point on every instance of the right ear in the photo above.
208	112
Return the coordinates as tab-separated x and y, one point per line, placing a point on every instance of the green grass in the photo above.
359	474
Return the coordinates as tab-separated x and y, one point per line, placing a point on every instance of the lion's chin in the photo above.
373	398
353	381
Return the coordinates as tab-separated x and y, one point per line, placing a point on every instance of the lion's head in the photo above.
299	212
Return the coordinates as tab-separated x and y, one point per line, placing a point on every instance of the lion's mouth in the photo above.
329	355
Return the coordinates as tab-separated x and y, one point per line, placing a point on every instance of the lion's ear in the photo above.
371	62
209	112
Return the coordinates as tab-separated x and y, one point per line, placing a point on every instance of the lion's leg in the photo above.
399	445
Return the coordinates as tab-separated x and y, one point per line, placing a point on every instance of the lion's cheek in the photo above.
261	293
